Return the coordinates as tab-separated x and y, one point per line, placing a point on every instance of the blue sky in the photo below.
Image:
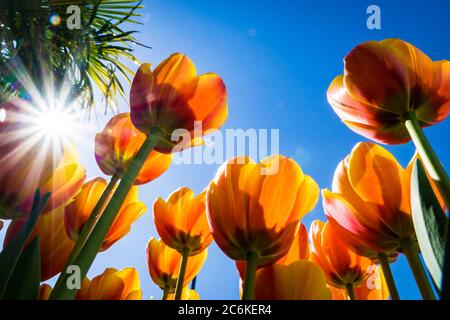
277	59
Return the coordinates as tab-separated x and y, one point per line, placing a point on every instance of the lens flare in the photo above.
54	19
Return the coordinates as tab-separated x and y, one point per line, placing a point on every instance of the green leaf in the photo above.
429	222
11	254
25	281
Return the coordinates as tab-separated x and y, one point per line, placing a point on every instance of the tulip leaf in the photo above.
25	280
429	222
12	252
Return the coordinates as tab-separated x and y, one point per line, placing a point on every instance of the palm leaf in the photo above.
91	58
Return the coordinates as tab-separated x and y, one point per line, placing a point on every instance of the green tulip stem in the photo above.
89	251
182	273
250	275
350	291
166	292
382	257
411	252
429	157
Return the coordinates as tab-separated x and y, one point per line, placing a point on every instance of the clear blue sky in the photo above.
277	59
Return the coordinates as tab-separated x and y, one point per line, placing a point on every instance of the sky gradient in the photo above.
277	60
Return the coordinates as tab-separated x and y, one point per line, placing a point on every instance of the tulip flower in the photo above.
117	145
369	206
181	221
383	82
112	285
164	264
182	224
343	268
375	288
55	245
188	294
255	210
301	280
170	100
78	212
174	97
389	91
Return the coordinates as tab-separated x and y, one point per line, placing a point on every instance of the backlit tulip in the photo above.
164	264
112	285
78	212
188	294
173	97
369	206
20	143
385	81
55	245
117	145
252	212
343	268
375	288
181	221
301	280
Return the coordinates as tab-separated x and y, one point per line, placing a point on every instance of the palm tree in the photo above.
39	42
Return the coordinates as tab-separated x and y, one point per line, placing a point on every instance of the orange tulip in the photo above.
370	204
112	285
188	294
55	245
164	264
372	289
342	267
173	97
117	145
78	212
181	221
250	212
301	280
383	82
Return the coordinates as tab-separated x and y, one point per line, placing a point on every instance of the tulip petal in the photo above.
301	280
141	98
172	75
378	178
350	109
208	100
370	64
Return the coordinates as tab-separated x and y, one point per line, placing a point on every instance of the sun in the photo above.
56	123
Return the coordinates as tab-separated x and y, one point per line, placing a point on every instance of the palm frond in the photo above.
93	57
